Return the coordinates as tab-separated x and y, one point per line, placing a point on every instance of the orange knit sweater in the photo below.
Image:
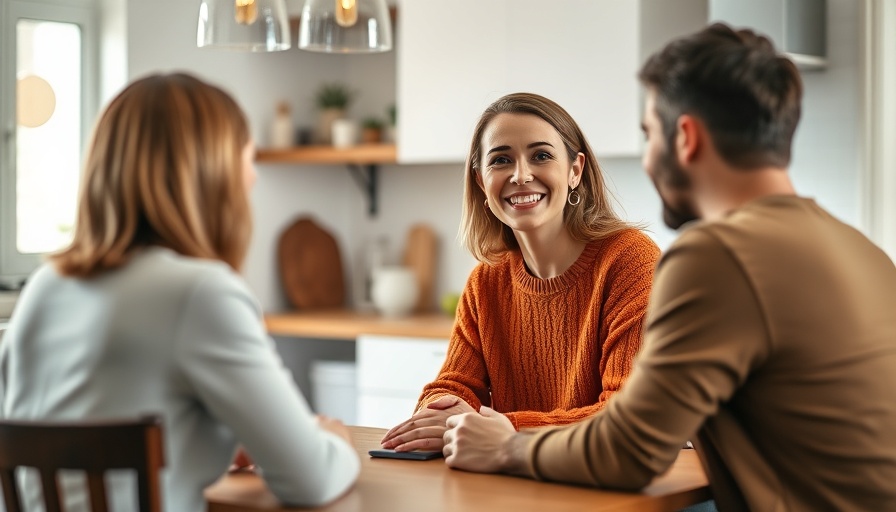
549	351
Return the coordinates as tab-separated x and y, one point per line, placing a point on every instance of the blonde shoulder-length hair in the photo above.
164	167
593	218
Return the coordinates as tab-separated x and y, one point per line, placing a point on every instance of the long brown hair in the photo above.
164	167
592	218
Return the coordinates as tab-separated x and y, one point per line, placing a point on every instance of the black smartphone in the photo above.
392	454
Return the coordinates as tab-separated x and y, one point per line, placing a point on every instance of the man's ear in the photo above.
689	136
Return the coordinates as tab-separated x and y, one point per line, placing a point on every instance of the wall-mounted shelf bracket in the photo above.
366	178
362	160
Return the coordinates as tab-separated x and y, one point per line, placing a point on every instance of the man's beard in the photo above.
679	209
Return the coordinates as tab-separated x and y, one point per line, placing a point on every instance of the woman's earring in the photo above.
573	198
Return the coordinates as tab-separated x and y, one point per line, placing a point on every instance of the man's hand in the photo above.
425	430
480	442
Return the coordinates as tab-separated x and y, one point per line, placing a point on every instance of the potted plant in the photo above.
390	128
332	102
371	130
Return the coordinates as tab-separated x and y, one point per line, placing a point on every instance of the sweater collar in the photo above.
531	284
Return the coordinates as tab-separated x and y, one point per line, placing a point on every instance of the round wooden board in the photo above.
311	266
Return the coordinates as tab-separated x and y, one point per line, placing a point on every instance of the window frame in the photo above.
15	266
879	120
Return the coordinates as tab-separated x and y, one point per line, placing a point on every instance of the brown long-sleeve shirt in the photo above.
771	337
550	351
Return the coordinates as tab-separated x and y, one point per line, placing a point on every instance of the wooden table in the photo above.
387	485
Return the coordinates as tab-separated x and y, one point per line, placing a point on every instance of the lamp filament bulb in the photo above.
346	12
246	12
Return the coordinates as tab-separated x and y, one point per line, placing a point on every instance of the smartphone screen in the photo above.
416	455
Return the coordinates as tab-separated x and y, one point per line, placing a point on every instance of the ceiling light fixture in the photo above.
253	25
345	26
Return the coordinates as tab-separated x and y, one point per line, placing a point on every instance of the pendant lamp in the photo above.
253	25
345	26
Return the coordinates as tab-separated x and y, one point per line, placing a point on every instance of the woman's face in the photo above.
248	162
526	173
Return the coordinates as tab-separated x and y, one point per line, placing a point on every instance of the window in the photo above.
47	104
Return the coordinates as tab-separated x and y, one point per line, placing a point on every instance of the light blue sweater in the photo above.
179	337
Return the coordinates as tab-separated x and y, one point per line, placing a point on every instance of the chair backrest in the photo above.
92	447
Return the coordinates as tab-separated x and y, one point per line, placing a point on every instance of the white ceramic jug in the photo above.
395	290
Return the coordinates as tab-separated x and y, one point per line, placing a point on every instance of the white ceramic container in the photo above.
395	291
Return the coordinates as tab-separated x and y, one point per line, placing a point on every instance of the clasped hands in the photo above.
473	442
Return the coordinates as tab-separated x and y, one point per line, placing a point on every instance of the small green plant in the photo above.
390	112
334	95
371	130
372	123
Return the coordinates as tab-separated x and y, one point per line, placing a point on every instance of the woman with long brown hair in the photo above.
550	320
145	313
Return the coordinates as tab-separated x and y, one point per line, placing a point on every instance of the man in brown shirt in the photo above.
771	329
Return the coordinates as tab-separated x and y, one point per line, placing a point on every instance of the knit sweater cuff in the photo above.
430	399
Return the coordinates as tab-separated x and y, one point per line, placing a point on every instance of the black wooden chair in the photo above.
92	447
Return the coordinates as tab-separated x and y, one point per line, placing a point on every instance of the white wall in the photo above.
283	192
827	153
162	36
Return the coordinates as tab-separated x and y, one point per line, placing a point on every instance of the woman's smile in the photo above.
523	201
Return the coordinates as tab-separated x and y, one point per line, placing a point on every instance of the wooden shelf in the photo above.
362	154
347	325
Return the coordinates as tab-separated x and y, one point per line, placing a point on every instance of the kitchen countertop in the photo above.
347	324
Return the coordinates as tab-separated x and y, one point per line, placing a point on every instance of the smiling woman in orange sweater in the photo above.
550	320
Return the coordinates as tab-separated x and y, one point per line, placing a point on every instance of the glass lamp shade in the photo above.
345	26
253	25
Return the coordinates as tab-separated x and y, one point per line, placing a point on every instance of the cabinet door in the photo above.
457	57
397	363
391	374
450	67
380	411
583	54
796	27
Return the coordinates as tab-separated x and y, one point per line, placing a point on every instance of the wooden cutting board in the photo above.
310	266
420	255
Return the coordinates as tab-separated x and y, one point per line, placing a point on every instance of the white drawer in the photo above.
384	411
389	363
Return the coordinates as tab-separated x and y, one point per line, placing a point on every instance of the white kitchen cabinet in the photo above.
458	56
796	27
392	371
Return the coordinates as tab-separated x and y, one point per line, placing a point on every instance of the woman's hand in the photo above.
425	429
334	426
241	462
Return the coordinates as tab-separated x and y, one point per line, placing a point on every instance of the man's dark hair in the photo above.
746	93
